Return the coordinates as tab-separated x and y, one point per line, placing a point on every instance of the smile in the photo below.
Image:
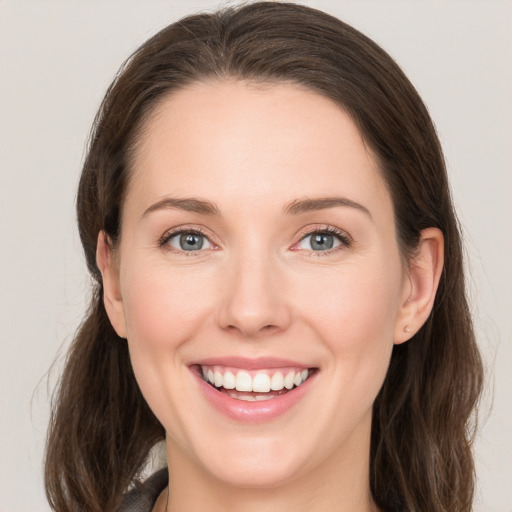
254	385
253	390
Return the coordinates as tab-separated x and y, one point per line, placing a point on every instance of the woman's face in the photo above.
258	248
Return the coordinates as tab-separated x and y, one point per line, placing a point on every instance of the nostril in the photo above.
252	330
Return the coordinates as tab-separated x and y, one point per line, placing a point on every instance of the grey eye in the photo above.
319	242
189	241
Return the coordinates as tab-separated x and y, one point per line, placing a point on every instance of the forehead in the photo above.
243	142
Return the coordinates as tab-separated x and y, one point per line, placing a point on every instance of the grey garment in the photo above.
142	497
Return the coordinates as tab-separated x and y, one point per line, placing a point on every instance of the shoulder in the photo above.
143	495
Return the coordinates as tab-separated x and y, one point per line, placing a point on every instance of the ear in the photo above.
421	284
106	261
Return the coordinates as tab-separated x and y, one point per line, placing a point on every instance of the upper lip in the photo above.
246	363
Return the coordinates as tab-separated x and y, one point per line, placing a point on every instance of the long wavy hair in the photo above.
101	428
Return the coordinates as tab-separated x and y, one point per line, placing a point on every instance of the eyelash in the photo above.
344	239
164	240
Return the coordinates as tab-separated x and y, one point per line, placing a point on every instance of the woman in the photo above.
279	286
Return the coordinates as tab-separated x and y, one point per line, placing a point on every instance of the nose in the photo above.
254	299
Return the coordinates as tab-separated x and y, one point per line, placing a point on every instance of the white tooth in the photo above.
243	381
211	376
218	379
298	379
205	373
304	375
288	380
261	397
229	381
261	383
277	382
247	398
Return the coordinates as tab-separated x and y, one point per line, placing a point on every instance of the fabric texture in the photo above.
143	495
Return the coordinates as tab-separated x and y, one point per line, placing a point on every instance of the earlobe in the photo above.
424	273
111	287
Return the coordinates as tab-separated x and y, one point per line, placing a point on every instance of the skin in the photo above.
260	289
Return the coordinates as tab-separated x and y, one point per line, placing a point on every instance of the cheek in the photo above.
164	306
357	301
354	311
164	309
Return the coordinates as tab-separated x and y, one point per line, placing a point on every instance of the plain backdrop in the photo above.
56	60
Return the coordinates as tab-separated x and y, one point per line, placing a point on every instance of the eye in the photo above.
188	241
323	240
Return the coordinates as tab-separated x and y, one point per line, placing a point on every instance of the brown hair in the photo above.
102	429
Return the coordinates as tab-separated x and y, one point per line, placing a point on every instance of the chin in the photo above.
253	461
258	473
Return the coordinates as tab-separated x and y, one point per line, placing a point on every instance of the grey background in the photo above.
56	60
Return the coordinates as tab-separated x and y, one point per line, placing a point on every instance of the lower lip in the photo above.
253	412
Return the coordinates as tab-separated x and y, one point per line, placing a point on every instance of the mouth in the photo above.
254	385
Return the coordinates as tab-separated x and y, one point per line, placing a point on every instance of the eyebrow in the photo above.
322	203
186	204
296	207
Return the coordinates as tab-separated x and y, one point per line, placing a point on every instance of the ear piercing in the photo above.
407	328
